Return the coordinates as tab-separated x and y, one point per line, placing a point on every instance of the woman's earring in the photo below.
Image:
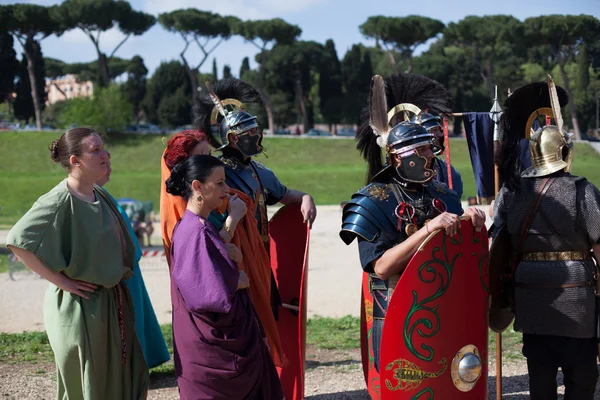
199	198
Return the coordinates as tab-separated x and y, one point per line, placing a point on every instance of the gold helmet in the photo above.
549	146
551	151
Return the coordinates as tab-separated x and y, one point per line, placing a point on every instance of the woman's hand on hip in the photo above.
75	287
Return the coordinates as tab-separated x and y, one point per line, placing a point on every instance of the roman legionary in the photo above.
235	132
403	202
552	219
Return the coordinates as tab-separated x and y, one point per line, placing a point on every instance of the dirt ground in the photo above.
330	375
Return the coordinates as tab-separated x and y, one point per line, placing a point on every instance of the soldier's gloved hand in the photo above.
446	221
477	217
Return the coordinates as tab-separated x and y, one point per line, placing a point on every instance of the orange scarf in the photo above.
255	260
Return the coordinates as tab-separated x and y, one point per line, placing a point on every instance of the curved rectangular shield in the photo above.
290	238
366	331
435	337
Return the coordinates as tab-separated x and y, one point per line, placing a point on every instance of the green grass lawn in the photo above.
512	343
330	170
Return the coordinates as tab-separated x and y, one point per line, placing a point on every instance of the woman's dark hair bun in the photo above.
54	153
197	167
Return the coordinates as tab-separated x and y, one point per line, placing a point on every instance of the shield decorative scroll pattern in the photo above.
434	343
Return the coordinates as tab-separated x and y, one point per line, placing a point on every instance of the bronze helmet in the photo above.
551	151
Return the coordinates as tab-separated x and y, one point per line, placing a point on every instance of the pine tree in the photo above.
227	72
245	67
23	107
9	66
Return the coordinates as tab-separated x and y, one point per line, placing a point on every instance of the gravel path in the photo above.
331	375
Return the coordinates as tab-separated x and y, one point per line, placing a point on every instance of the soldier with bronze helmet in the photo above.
403	201
551	220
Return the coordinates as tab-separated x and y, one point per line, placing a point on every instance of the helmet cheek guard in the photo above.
405	140
414	168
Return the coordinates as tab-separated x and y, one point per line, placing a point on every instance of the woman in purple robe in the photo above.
220	350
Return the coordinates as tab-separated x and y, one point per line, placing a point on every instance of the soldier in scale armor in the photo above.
403	201
553	221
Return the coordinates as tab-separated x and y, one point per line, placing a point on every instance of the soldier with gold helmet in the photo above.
552	220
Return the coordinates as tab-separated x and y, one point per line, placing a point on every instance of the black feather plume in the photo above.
224	89
517	109
419	90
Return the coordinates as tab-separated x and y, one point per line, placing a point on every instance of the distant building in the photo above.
69	88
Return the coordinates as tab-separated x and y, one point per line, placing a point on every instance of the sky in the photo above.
319	20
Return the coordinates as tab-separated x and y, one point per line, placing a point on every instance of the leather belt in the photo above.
554	285
557	256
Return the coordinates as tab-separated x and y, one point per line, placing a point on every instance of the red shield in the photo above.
435	334
366	348
289	261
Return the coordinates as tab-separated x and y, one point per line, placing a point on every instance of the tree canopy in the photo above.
561	36
96	16
490	39
203	28
265	35
403	34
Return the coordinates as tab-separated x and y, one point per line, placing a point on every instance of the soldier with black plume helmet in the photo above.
552	222
403	201
219	113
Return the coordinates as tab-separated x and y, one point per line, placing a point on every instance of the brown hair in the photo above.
69	144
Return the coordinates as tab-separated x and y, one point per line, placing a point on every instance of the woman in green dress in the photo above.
74	237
